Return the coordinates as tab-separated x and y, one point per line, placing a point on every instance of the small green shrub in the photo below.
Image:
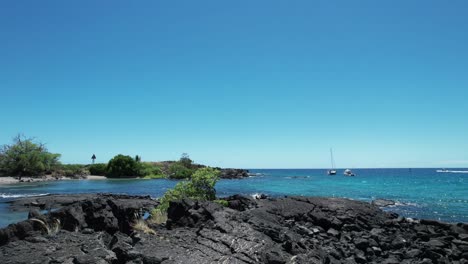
179	171
148	169
122	166
199	187
222	202
99	169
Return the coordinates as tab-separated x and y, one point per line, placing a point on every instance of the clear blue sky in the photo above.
255	84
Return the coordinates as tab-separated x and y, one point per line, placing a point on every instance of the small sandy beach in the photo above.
13	180
95	177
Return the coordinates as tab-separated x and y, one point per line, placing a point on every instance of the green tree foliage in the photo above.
179	171
99	169
122	166
185	160
199	187
26	158
150	171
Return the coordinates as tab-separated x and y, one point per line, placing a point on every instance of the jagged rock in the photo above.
234	173
298	230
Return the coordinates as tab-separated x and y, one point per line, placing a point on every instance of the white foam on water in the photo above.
10	195
400	204
255	195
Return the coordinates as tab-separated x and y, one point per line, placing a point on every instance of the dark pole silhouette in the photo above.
93	158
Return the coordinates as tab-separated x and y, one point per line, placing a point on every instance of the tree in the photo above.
122	166
25	157
185	160
137	158
98	169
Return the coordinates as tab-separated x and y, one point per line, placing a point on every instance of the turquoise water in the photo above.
420	193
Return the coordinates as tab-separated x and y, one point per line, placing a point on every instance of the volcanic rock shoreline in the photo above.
107	228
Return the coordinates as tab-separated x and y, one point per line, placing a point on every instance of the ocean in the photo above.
419	193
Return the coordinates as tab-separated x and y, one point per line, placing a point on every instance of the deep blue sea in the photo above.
420	193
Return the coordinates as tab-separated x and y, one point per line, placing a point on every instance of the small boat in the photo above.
348	172
451	171
332	171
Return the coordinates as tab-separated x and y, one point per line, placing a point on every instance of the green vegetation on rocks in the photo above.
26	157
200	187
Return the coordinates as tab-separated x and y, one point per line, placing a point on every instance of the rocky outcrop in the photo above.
99	212
234	173
283	230
48	202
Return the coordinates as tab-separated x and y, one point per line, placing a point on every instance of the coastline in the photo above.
246	230
6	180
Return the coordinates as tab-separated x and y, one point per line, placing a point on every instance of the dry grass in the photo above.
141	225
158	217
49	229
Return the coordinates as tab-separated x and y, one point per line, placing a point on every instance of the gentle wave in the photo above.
9	195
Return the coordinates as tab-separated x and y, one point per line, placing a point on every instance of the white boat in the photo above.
348	172
443	171
332	171
451	171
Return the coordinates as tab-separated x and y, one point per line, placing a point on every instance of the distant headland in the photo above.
27	160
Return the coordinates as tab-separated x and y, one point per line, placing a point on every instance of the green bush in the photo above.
122	166
70	170
222	202
150	171
199	187
179	171
99	169
154	176
26	158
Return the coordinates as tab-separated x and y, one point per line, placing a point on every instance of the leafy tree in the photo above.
99	169
137	158
179	171
122	166
25	157
185	160
199	187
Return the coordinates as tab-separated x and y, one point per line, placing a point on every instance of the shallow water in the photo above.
420	193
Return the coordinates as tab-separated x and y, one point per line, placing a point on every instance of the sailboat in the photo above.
332	171
348	172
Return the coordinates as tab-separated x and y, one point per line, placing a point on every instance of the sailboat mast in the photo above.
332	159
